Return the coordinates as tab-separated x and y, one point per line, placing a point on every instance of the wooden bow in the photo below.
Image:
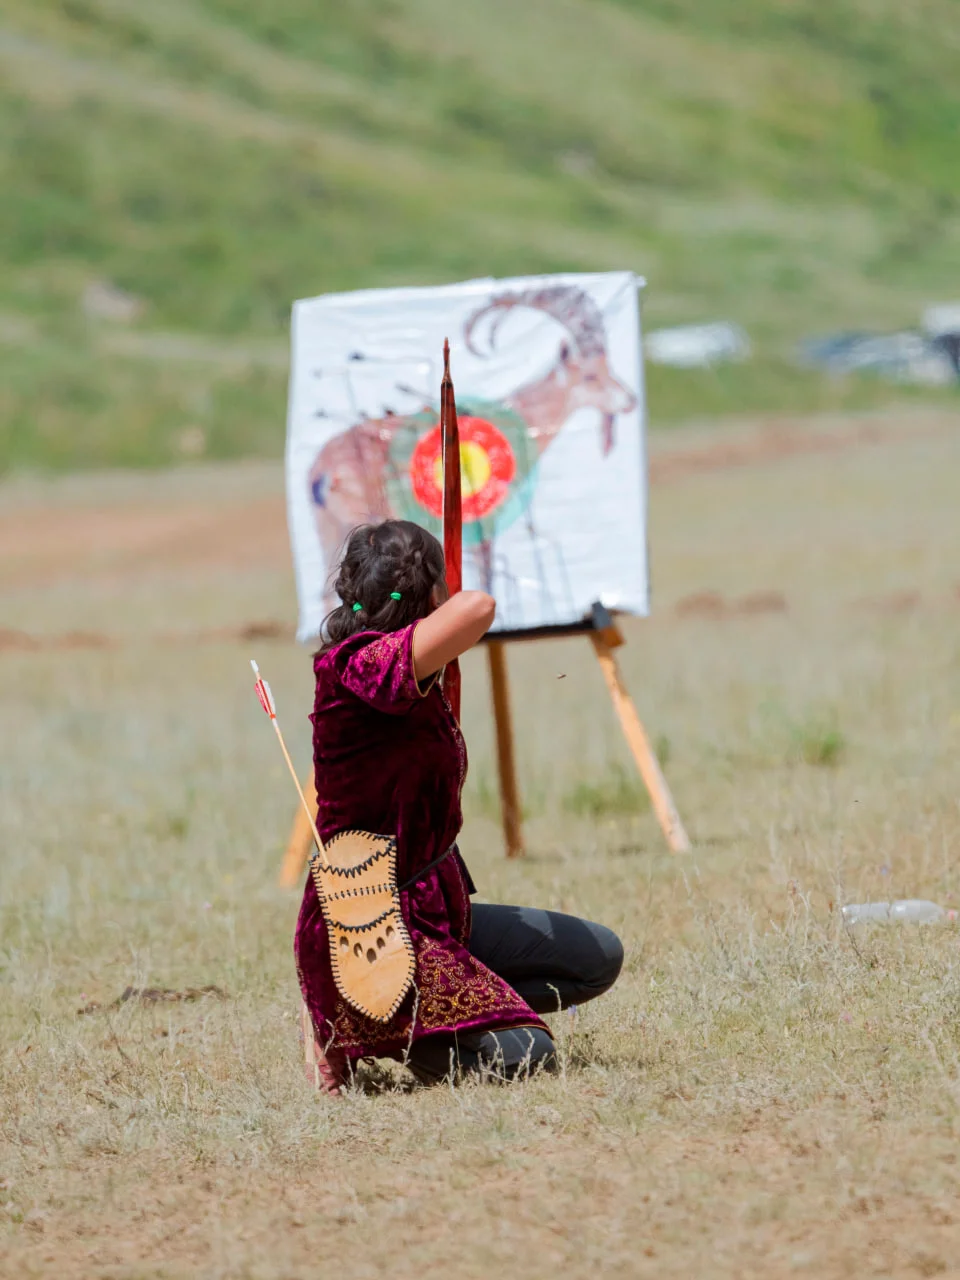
452	512
302	835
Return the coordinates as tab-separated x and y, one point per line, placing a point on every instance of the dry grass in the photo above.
762	1094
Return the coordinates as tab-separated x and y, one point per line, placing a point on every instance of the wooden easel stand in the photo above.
606	637
301	838
506	767
639	744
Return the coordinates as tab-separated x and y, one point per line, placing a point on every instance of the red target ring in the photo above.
487	467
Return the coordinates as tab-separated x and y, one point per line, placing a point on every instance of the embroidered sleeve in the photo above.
381	673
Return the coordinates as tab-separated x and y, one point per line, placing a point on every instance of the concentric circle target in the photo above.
487	466
497	465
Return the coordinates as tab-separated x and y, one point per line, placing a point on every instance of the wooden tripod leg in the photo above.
301	840
643	752
509	795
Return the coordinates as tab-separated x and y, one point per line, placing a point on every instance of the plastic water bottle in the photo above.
907	911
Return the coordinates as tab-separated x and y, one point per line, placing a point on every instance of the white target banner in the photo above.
549	383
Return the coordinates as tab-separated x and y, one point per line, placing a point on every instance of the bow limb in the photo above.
452	512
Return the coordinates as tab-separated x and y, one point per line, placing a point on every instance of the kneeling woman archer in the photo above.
389	756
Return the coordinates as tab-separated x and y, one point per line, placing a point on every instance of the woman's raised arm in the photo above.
450	630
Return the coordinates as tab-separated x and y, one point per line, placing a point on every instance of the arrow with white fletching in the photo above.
264	693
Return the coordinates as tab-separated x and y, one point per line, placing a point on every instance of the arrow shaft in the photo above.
266	701
303	799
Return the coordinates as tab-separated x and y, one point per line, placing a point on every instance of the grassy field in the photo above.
763	1093
789	166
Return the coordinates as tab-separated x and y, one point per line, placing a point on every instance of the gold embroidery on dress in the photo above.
452	991
370	654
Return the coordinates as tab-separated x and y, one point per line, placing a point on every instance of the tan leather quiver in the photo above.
370	950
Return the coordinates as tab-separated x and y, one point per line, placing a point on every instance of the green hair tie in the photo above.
395	595
357	607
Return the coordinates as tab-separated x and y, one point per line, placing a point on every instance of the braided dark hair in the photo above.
379	559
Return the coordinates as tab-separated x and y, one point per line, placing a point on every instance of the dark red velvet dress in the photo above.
391	759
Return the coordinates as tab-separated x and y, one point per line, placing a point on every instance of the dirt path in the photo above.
209	519
45	544
777	441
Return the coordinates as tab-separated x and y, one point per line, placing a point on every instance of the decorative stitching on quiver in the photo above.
371	953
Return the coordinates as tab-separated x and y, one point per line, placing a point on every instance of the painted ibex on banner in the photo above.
348	478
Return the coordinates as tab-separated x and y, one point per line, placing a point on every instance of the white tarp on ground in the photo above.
697	346
942	320
906	357
549	383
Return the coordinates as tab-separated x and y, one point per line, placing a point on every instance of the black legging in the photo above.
551	960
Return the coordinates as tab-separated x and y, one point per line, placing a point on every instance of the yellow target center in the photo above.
474	468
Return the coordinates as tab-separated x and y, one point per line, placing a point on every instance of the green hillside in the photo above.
792	165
